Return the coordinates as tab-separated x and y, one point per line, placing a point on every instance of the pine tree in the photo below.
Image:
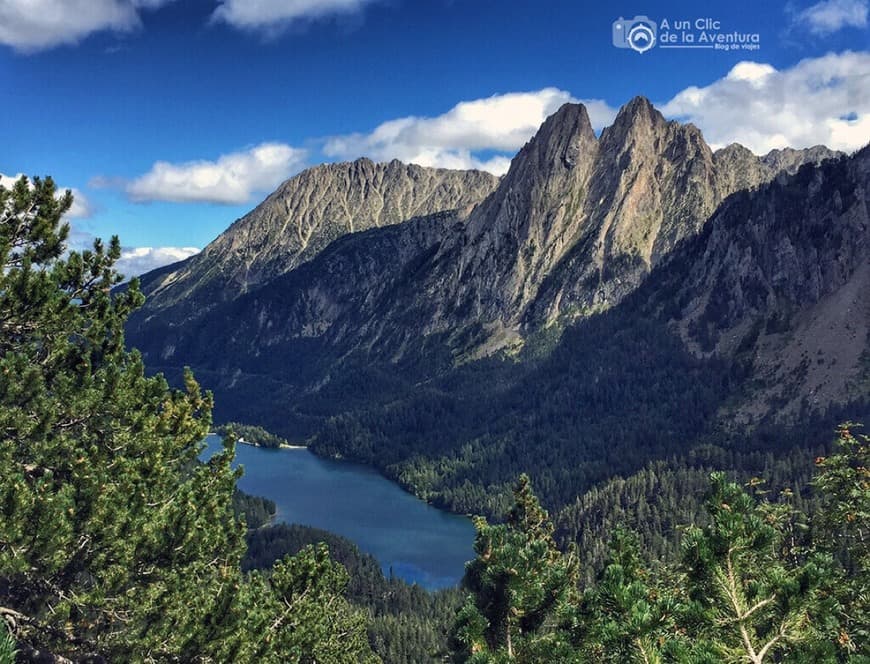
630	614
753	593
115	542
523	589
843	522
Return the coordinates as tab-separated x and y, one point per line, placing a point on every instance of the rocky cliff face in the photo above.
578	222
780	278
796	239
298	220
575	227
654	184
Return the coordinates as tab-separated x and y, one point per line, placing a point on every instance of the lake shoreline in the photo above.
373	468
282	446
422	543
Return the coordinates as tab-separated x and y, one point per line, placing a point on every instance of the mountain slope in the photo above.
635	384
650	291
299	220
572	229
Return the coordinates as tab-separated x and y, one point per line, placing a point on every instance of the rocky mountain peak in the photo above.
559	143
564	148
299	219
738	168
788	160
636	120
639	108
528	223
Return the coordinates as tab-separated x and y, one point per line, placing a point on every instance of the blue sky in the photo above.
171	118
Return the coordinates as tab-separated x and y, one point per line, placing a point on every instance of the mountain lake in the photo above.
411	539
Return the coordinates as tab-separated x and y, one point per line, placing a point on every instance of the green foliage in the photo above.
405	622
522	587
843	523
297	613
753	590
616	393
253	435
255	511
8	649
761	581
114	541
629	614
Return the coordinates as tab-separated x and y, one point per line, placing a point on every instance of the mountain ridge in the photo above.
300	218
573	227
637	280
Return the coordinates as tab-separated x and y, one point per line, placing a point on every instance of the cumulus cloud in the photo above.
483	133
7	181
829	16
823	100
231	179
34	25
139	260
275	15
81	207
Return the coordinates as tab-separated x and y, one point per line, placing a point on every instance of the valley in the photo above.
615	302
532	378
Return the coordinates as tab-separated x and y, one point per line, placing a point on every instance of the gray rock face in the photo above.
574	227
578	222
654	184
779	279
738	169
300	219
513	239
794	241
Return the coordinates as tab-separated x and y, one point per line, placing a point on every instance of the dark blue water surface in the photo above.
417	542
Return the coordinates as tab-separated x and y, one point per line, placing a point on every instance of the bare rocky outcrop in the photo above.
578	222
577	225
297	221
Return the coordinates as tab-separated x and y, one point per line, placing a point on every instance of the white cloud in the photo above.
754	73
500	124
823	100
35	25
139	260
231	179
81	207
275	15
829	16
7	181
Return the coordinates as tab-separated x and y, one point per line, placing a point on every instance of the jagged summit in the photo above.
573	227
559	141
298	220
639	109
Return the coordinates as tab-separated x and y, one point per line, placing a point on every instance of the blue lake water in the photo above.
413	540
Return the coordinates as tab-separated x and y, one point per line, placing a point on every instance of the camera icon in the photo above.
638	34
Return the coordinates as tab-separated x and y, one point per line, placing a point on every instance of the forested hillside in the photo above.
405	622
765	571
762	581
